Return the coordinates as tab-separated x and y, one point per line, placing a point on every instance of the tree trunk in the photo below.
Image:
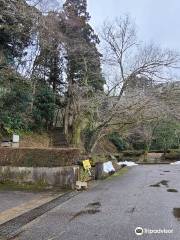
94	140
68	110
76	133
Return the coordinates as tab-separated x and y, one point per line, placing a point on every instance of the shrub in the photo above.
84	175
14	106
118	141
167	135
34	157
172	155
133	153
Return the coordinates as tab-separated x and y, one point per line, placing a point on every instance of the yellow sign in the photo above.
86	164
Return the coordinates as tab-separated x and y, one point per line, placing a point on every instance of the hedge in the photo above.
34	157
172	155
133	153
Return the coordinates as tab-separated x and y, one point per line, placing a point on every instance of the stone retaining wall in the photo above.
64	177
154	157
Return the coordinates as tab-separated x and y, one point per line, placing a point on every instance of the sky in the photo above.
157	21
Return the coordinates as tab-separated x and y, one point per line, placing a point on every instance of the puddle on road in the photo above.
176	213
164	183
172	190
155	185
158	184
93	209
85	212
94	204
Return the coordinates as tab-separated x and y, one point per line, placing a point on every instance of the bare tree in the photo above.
132	61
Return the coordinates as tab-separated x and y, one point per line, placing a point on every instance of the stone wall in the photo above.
154	157
64	177
46	166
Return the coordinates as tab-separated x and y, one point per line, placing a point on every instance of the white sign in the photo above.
15	138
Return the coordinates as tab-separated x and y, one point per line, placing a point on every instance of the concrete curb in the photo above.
157	163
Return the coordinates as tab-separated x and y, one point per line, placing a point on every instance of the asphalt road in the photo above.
113	209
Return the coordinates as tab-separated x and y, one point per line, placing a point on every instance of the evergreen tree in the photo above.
15	29
83	58
44	107
48	65
14	105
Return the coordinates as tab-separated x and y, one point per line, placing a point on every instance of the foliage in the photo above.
117	140
167	135
44	107
133	153
38	157
52	60
173	154
136	140
49	63
83	57
15	27
14	105
84	175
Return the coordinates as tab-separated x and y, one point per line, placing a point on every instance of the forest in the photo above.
57	72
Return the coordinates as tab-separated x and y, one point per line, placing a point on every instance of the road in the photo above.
113	209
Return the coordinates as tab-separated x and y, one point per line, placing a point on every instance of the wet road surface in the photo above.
147	197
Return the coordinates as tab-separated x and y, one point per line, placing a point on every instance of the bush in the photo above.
14	107
139	145
118	141
133	153
84	175
172	155
166	135
34	157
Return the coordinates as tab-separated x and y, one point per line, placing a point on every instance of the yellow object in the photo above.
86	164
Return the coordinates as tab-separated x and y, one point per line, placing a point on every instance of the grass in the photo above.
29	187
121	172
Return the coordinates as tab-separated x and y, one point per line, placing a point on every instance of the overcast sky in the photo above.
156	20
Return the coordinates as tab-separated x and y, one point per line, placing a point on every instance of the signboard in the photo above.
86	164
15	138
